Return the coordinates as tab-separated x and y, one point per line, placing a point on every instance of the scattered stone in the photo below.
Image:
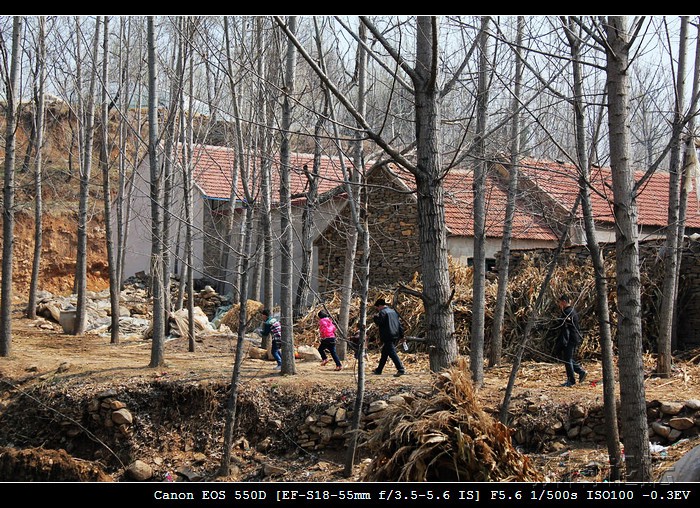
693	404
685	469
377	405
270	470
660	429
671	408
140	471
681	423
122	416
577	411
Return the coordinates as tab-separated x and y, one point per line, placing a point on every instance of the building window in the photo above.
490	263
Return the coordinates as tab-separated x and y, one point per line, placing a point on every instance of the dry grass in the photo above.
445	437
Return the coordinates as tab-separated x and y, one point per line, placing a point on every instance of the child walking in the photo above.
326	329
273	328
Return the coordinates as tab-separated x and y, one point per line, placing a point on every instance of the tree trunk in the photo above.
107	192
431	204
229	248
690	168
307	225
230	422
601	303
8	194
476	350
286	225
635	433
156	194
187	183
266	122
38	167
496	348
360	221
670	252
83	201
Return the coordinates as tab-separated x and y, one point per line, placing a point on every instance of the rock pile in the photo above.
329	429
108	411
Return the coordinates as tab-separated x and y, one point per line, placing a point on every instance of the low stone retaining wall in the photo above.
668	423
329	429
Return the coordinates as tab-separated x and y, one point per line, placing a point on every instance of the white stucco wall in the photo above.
462	248
138	228
138	247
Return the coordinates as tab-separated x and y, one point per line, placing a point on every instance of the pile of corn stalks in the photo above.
445	437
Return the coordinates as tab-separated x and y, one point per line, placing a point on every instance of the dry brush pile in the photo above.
571	276
445	437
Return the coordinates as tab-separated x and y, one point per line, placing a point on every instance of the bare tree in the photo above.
476	350
428	173
286	226
691	168
129	156
39	127
307	224
8	205
574	37
265	143
635	434
106	190
156	195
186	120
495	350
673	242
228	248
87	121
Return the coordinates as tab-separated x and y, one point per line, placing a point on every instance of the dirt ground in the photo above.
50	376
77	366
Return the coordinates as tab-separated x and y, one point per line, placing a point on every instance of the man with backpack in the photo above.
390	332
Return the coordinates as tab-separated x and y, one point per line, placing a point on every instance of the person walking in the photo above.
326	329
273	328
390	332
568	341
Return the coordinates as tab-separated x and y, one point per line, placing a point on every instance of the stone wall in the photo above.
535	427
669	422
394	252
329	429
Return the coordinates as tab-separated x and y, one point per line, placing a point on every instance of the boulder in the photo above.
685	469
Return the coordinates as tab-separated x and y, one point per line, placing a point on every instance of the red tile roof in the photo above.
214	166
459	207
560	181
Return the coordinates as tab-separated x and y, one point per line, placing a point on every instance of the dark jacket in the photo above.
569	331
389	324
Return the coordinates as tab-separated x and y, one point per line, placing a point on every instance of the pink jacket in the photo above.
326	328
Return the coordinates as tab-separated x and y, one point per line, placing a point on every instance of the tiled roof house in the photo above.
393	225
547	191
212	173
554	185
